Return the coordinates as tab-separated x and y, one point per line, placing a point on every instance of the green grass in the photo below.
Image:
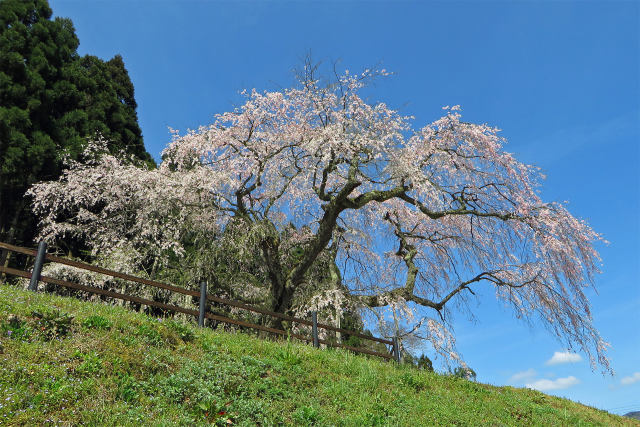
110	366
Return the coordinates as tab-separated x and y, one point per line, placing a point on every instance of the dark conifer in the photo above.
51	101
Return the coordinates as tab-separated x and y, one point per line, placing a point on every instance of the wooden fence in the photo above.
41	256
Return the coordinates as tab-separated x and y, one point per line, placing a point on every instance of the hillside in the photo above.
111	366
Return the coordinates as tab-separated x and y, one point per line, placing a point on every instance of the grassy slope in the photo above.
117	367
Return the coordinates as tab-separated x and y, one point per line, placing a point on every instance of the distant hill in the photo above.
634	414
70	362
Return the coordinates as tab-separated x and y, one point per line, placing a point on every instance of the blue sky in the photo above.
560	78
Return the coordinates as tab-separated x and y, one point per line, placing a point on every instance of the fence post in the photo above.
396	348
203	303
37	266
314	328
4	261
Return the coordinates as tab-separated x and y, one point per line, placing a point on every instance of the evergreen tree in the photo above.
51	100
425	363
108	99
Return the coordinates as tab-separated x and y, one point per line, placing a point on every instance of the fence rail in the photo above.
41	256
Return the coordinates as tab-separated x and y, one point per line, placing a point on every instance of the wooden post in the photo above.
203	303
4	262
37	266
314	328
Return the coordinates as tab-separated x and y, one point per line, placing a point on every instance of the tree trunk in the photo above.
281	295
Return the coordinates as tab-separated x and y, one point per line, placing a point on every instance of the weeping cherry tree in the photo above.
407	222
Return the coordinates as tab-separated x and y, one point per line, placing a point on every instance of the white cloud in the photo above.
630	379
558	384
563	357
523	376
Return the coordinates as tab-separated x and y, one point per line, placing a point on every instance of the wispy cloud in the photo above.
523	376
634	378
555	147
557	384
563	357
